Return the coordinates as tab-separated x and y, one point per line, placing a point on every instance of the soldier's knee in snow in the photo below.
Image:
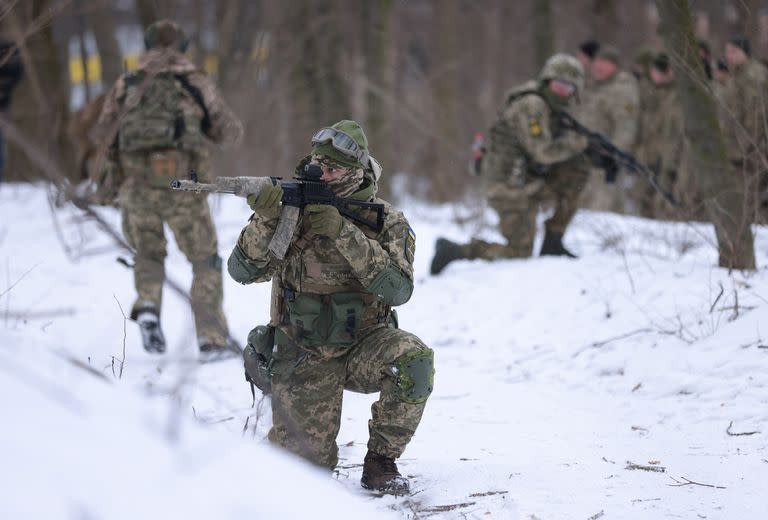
414	374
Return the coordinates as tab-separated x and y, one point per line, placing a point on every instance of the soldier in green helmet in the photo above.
531	160
332	324
156	124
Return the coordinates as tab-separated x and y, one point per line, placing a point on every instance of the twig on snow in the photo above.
597	515
656	469
688	482
598	344
488	494
638	500
446	508
20	278
125	332
717	299
738	434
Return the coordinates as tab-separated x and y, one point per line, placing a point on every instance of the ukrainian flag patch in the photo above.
410	244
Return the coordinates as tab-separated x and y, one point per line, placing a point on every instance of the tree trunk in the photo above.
147	12
40	104
722	193
101	21
543	31
377	38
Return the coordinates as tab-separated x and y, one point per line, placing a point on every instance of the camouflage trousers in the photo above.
518	206
145	211
308	387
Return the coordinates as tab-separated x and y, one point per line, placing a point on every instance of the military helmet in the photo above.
165	33
345	142
564	67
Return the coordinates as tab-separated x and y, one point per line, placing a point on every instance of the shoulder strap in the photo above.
205	124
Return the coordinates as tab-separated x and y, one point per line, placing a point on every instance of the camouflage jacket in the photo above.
224	128
743	111
612	109
356	262
661	130
526	137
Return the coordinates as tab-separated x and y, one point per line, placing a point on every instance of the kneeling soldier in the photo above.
331	315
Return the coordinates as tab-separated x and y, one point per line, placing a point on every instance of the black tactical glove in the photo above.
605	162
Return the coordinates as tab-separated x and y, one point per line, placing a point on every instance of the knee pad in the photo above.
415	375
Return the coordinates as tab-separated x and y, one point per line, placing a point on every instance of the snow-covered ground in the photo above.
553	375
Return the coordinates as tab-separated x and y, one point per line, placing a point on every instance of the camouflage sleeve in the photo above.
624	111
225	127
383	265
104	131
531	118
250	261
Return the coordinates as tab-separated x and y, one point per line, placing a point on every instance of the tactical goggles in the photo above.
342	142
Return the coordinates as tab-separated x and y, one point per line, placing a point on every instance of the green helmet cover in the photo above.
352	129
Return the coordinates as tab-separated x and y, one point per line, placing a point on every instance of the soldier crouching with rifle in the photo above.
538	153
334	283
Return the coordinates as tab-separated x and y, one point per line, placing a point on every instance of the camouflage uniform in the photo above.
743	113
146	203
530	161
335	330
612	110
662	146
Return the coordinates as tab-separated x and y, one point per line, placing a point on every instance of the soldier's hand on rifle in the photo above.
324	220
267	202
605	162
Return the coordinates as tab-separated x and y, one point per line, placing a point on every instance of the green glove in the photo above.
324	220
267	202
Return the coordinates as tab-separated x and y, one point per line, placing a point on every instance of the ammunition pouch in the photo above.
257	358
327	319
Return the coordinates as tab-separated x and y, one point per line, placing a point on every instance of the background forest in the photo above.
422	75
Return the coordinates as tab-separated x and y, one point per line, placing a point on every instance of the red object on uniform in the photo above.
478	146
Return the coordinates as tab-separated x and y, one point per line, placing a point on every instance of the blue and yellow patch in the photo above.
534	127
410	244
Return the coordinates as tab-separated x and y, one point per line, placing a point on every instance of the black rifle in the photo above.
297	193
605	154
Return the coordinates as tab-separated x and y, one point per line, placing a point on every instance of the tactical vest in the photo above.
319	300
505	157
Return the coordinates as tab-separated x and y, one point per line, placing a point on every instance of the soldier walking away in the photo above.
155	124
332	324
11	71
530	160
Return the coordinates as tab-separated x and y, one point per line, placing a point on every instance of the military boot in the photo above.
151	334
380	474
553	245
211	352
445	253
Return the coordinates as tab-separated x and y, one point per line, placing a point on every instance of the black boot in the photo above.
151	334
212	352
445	253
553	245
380	474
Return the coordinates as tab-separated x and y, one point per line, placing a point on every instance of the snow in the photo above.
552	375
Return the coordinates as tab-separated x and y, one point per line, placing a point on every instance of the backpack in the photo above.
152	117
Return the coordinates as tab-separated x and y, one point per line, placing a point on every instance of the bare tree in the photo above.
100	18
722	193
543	31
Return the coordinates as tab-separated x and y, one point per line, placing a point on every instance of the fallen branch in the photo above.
689	482
488	494
656	469
597	515
598	344
79	364
446	508
41	315
738	434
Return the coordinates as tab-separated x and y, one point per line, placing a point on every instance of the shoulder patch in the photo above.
410	244
534	126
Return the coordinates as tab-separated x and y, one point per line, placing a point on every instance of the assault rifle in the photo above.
297	193
604	153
